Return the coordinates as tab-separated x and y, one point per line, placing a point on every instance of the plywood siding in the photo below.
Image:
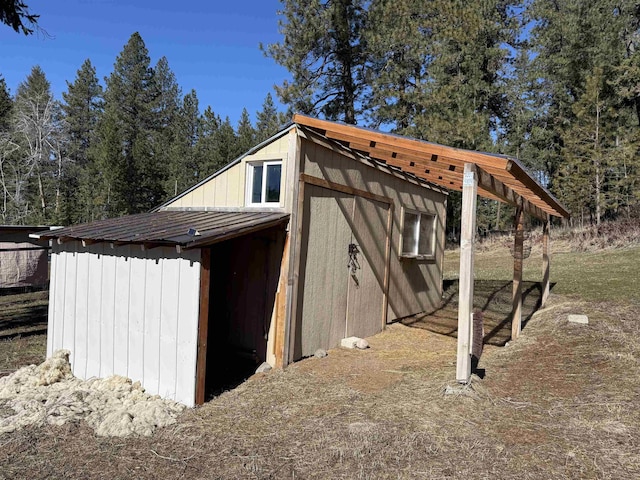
323	270
129	312
415	285
366	285
227	189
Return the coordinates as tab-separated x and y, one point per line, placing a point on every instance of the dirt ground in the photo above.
560	402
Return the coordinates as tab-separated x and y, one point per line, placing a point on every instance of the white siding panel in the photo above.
80	315
128	312
69	303
153	301
187	339
107	310
121	312
168	327
53	289
137	291
94	302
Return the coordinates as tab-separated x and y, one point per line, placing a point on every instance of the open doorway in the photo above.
244	281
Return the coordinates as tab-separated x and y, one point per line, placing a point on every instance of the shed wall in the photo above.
414	285
228	188
128	312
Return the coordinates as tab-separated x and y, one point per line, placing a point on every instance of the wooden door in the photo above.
365	296
342	265
323	269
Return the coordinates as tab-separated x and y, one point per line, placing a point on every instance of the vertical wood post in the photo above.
518	254
545	262
203	325
467	241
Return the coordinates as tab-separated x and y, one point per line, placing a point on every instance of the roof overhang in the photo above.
182	229
500	177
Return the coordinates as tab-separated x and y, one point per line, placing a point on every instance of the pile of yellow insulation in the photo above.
49	394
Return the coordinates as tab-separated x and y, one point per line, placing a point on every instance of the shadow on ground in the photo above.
492	298
23	312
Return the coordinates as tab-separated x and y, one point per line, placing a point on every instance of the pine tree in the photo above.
81	109
246	134
399	53
6	104
269	120
132	181
7	148
166	161
186	167
322	50
226	142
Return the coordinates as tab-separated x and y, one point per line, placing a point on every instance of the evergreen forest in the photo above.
553	83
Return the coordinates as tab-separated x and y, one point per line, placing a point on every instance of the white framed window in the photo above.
264	182
418	234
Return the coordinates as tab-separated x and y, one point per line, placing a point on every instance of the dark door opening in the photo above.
244	281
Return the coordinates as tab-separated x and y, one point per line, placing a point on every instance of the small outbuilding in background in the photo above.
23	260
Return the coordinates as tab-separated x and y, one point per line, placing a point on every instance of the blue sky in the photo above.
211	46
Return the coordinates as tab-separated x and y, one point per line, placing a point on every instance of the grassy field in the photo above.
561	402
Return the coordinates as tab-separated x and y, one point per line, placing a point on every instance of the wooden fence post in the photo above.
545	262
518	255
467	241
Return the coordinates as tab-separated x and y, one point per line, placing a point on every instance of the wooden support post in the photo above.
465	304
203	325
545	262
518	255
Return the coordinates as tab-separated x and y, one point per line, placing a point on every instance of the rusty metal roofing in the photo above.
500	177
187	229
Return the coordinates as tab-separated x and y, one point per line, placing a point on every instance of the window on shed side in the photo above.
418	234
264	182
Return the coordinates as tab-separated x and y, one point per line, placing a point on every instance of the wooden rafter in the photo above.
499	177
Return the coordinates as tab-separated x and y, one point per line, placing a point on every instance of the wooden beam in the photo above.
387	267
295	233
506	168
491	184
545	262
338	187
203	325
518	255
465	304
281	311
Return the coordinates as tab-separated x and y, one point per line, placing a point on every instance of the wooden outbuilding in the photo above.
322	232
23	260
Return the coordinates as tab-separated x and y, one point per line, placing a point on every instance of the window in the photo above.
418	234
263	183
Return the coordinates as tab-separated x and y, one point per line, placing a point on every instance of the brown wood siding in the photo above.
414	285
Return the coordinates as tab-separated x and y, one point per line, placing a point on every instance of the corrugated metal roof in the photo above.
187	229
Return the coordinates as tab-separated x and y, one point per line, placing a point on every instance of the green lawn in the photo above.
594	276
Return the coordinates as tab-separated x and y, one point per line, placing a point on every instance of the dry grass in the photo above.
23	326
561	402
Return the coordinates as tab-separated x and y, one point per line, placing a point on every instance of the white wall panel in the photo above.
121	312
107	310
94	305
137	302
152	297
80	315
127	311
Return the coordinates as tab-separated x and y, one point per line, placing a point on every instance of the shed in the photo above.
23	260
323	231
